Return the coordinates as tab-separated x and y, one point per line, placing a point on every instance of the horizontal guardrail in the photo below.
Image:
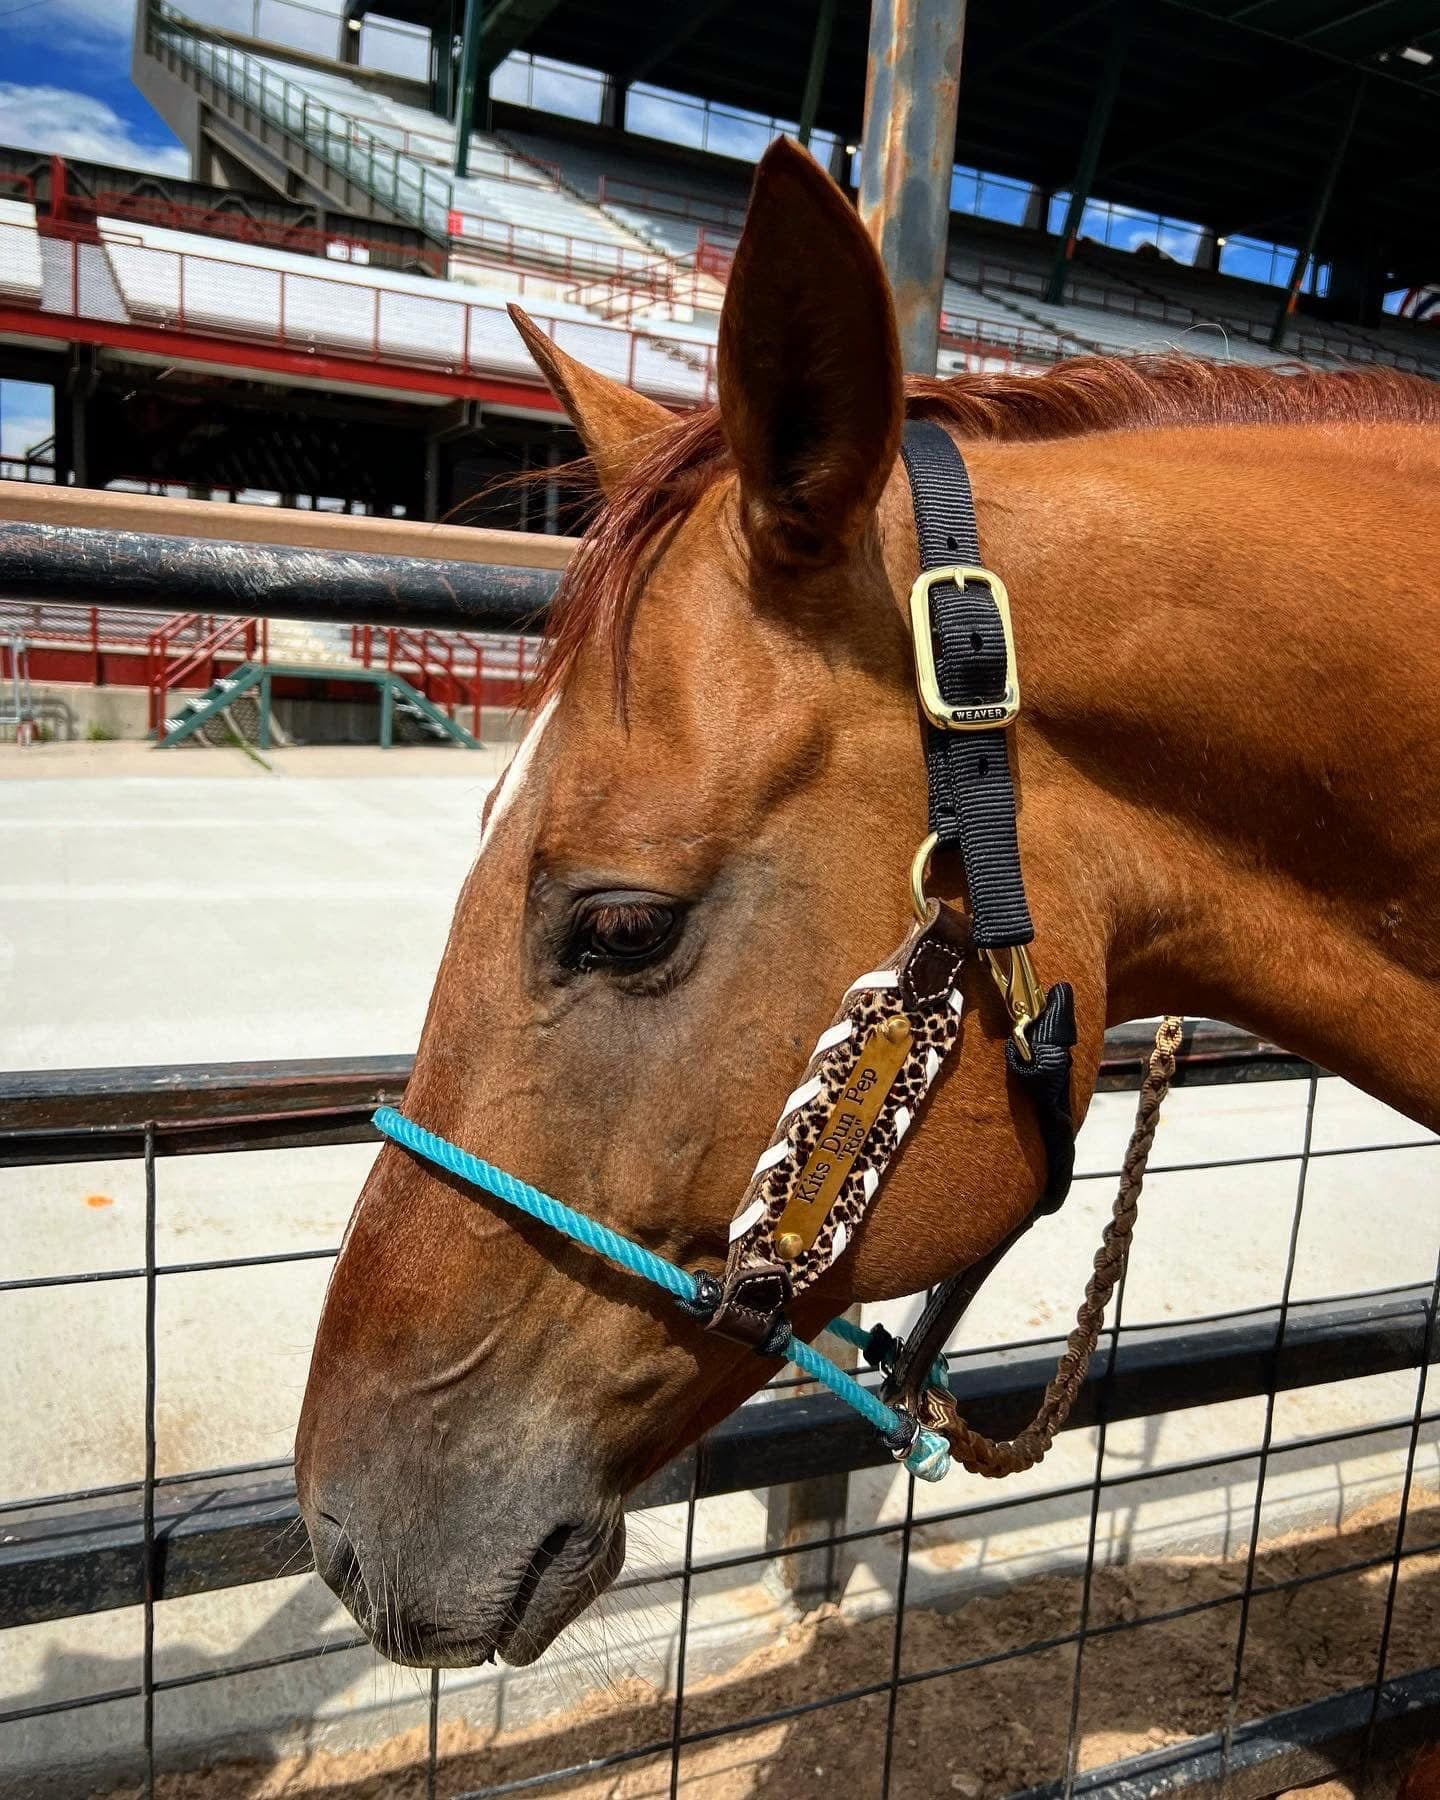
85	1115
227	1529
89	566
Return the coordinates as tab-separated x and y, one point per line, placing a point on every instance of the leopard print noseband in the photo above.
815	1181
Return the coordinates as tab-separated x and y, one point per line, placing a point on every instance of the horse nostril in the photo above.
334	1554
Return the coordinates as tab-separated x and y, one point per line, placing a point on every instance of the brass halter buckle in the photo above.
1011	970
948	715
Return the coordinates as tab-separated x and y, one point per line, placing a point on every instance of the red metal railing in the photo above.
617	190
211	642
714	255
318	314
533	246
206	221
1102	296
621	296
455	669
103	627
1024	347
23	184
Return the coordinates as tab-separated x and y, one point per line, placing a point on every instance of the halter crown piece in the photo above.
878	1059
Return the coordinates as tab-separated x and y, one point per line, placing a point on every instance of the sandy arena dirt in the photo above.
979	1734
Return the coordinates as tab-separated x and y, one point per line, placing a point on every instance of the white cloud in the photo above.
54	118
76	24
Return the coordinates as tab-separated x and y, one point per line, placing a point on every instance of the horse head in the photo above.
703	838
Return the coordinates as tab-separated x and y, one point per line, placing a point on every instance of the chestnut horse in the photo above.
1226	593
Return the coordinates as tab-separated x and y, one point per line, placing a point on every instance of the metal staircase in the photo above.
334	153
358	171
404	710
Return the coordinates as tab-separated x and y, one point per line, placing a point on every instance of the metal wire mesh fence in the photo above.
882	1693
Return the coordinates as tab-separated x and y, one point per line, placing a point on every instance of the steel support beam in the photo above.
1102	107
469	75
1317	218
815	74
912	92
612	103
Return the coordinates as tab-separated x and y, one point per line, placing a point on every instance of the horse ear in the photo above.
613	421
811	391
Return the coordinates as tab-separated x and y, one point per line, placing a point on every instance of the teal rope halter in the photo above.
927	1453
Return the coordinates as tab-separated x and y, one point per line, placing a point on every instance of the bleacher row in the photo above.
619	253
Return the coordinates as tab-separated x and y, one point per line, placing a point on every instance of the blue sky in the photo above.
65	85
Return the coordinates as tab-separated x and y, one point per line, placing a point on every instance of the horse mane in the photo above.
598	593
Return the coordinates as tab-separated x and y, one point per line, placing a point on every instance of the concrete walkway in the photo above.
44	762
208	911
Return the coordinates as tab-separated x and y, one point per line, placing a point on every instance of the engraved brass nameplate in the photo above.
851	1118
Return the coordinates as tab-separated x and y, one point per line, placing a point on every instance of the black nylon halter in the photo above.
972	795
973	812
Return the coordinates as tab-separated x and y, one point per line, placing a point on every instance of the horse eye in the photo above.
620	931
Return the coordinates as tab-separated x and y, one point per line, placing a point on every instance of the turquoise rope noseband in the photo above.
926	1453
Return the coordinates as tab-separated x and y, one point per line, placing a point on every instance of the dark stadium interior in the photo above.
1226	112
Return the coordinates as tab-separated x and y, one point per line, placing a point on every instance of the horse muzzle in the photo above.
432	1595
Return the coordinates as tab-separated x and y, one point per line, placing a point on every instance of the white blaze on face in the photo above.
515	772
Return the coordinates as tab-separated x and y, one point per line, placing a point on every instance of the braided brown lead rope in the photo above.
996	1457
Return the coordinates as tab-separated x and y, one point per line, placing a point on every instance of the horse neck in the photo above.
1228	747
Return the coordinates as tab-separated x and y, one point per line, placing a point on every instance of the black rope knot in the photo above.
705	1303
708	1295
881	1348
901	1440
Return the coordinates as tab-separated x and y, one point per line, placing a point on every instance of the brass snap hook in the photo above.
1019	989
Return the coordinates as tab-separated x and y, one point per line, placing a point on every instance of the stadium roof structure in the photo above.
1228	112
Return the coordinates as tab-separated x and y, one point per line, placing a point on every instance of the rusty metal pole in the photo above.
907	153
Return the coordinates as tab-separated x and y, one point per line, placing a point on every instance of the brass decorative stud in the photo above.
788	1245
896	1030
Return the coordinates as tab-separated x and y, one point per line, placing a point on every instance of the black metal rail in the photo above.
86	1115
218	1532
87	566
141	1542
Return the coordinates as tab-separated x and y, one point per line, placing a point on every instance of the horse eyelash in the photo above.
610	915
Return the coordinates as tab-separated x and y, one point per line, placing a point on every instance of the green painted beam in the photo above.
470	35
1317	219
1101	108
815	74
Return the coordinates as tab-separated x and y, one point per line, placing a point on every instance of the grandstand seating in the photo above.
669	208
22	278
621	253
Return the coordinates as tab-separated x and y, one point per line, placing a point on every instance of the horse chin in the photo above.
560	1584
570	1570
